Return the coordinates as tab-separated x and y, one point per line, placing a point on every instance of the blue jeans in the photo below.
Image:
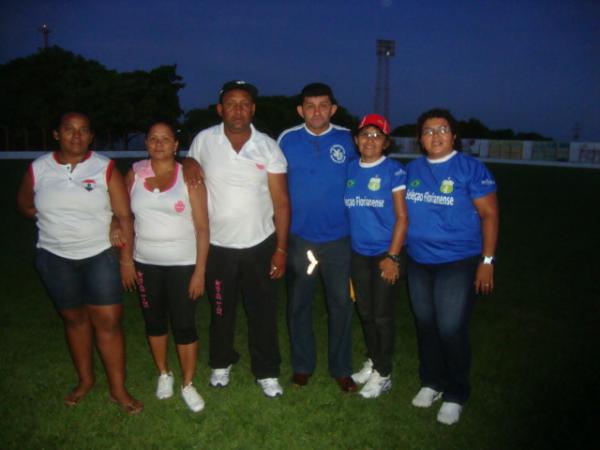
72	283
334	268
442	297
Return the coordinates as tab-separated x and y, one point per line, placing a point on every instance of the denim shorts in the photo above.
72	283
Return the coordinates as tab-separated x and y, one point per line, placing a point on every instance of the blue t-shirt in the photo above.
316	181
370	203
443	224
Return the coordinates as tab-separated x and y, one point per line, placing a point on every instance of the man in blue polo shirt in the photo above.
318	154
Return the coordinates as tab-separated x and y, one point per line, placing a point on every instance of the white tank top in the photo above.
73	207
164	228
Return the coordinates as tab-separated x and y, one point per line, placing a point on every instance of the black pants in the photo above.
375	305
163	292
231	272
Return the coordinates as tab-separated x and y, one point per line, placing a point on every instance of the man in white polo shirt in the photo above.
248	208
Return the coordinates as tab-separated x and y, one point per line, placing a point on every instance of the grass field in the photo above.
535	374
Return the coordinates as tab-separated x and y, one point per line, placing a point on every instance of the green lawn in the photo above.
535	353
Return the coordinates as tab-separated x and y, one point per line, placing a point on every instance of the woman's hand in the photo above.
196	287
116	234
128	277
484	279
390	271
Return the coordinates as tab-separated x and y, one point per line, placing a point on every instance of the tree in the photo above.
38	88
273	115
474	129
407	130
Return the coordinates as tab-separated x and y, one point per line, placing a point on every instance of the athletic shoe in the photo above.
362	376
164	388
270	387
425	397
449	413
220	377
376	385
192	398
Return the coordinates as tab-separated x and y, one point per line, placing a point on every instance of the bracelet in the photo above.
280	250
124	263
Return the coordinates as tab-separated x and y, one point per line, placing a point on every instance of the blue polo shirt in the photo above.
317	166
444	225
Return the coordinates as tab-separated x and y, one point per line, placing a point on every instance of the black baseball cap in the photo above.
241	85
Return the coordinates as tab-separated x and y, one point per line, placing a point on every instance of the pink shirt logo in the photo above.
179	206
260	166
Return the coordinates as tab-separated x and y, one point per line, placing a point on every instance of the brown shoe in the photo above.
346	384
300	379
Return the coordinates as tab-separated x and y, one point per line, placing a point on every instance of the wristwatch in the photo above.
488	259
395	258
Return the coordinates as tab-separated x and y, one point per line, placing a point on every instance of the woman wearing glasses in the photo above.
376	207
451	241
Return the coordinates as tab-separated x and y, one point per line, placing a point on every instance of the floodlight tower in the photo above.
385	50
45	32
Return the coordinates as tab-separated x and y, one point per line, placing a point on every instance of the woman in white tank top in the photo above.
171	246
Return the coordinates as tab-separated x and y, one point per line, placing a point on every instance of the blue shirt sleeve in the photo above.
398	176
482	182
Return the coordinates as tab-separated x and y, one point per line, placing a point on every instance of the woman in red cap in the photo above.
378	221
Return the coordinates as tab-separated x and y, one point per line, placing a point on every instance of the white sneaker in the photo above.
164	388
220	377
425	397
270	387
192	398
362	376
376	385
449	413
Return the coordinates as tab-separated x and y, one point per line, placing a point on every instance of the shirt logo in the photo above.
374	183
89	185
179	206
350	183
337	153
260	166
415	183
447	186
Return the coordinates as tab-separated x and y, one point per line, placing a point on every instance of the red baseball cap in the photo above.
377	121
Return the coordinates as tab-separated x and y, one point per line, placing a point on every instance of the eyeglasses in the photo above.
442	130
371	135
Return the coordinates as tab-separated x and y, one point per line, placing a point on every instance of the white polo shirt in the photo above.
240	208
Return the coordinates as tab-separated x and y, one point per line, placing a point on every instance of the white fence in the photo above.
566	154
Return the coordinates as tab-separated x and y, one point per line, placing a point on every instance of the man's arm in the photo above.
281	213
192	172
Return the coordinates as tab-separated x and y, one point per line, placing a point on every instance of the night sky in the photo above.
525	65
